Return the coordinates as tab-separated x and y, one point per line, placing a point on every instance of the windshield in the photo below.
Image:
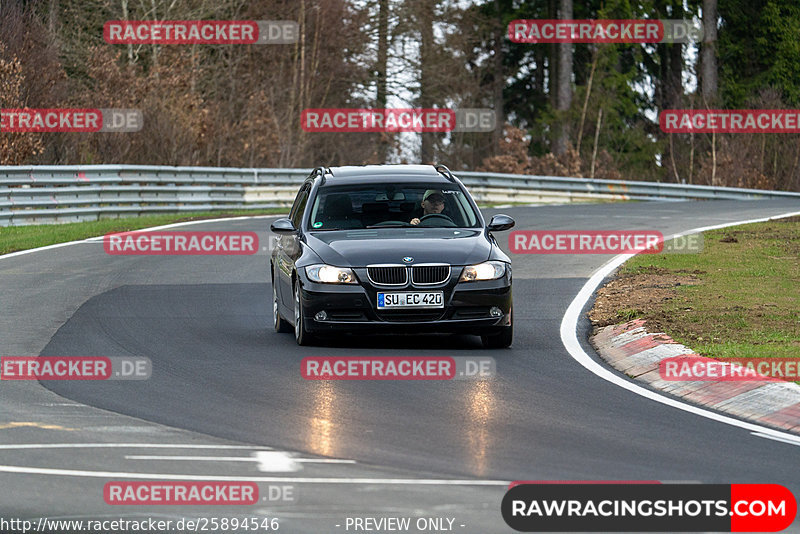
391	205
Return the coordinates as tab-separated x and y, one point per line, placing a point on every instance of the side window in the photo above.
467	214
299	205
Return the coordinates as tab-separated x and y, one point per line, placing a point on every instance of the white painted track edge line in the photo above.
569	337
99	238
218	478
775	438
13	446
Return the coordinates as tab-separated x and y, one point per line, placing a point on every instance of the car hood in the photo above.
359	248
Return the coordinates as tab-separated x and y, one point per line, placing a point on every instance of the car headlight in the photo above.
328	274
488	270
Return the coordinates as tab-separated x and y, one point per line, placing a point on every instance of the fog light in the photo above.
321	316
495	312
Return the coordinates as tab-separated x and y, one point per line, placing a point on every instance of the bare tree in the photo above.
382	68
427	15
709	51
499	79
564	98
15	148
669	89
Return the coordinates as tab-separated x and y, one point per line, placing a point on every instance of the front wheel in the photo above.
502	339
300	335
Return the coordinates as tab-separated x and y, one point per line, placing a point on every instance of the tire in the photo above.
502	339
281	325
302	337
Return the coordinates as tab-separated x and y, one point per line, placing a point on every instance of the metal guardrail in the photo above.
47	194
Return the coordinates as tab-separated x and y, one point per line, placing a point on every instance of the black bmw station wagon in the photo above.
388	248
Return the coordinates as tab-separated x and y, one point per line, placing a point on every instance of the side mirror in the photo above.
283	226
500	222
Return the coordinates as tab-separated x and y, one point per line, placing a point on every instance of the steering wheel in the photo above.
437	216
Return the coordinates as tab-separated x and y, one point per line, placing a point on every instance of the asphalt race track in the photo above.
225	388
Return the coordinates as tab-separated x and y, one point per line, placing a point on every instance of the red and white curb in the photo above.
631	349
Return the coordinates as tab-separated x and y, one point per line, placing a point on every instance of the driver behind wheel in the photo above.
432	203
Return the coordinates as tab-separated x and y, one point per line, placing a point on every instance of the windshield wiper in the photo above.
405	225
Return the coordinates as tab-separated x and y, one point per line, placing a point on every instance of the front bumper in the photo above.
353	307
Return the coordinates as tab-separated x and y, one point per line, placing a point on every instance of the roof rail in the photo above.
444	170
321	171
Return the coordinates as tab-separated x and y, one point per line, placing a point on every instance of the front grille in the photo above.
388	275
430	274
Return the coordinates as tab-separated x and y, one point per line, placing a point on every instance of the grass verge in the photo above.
15	238
740	297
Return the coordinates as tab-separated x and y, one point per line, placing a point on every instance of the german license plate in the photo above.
430	299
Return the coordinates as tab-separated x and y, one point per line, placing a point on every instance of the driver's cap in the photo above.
433	192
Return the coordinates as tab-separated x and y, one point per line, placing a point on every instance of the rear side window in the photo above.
299	205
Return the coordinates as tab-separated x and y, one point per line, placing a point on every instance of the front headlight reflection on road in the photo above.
320	439
481	405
